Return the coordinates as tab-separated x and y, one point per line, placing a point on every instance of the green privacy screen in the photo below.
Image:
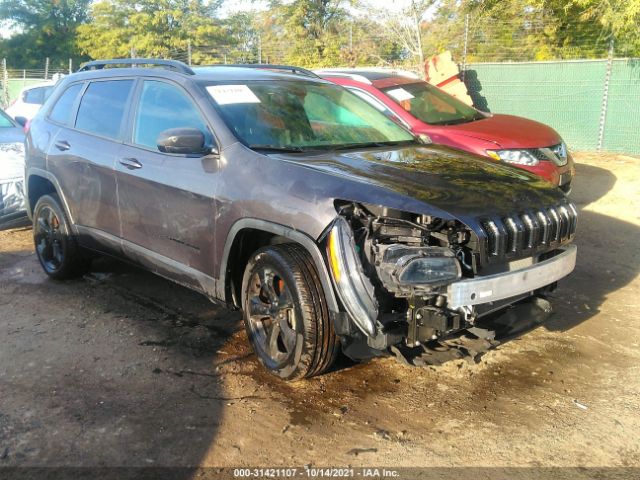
566	95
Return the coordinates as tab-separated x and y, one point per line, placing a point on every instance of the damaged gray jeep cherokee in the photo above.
286	196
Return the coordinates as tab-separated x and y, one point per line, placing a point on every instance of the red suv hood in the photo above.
508	131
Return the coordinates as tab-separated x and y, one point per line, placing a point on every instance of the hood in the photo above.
508	131
463	185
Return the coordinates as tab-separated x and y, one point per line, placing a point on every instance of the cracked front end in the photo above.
408	279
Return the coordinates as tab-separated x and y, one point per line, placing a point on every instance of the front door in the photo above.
166	200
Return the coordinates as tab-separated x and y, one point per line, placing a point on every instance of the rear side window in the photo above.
61	111
164	106
102	107
36	96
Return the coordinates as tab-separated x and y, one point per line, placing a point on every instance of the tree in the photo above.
520	30
244	37
153	28
406	26
618	19
44	29
312	29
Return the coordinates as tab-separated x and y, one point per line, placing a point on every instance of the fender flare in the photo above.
38	172
297	236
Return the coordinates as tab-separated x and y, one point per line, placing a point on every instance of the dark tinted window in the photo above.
61	111
163	106
37	95
102	107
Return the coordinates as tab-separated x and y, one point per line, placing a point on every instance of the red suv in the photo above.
427	110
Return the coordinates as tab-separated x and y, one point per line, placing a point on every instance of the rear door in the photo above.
166	200
83	154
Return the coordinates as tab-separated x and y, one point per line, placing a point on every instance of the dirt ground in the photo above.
124	368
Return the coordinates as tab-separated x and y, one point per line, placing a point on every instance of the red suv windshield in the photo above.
431	105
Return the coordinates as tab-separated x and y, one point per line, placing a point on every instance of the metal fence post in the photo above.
189	52
605	97
70	66
4	98
46	69
464	48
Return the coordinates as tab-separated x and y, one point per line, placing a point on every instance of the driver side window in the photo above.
163	106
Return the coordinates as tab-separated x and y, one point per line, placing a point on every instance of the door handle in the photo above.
130	163
62	145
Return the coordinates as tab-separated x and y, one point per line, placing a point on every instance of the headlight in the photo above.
517	157
354	288
428	271
404	270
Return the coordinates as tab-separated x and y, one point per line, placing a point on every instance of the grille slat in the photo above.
529	231
532	228
555	224
546	227
555	153
574	218
566	222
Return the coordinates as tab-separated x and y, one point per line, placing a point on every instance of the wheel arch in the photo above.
41	182
249	234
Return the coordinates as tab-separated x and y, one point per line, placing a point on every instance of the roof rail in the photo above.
134	62
268	66
352	76
364	71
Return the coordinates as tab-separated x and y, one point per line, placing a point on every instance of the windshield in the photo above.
5	121
300	115
432	105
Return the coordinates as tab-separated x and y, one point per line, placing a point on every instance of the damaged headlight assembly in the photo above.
406	270
403	270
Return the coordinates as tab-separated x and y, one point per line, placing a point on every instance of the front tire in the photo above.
285	313
56	248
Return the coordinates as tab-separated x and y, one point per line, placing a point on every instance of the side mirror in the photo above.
185	141
22	121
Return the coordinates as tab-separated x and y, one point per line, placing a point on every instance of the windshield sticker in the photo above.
230	94
400	94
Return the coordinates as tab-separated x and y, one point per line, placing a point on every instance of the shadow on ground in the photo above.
120	366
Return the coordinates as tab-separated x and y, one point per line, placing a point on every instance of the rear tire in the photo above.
286	314
56	248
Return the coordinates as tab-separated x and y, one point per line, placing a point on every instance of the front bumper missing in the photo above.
472	343
505	285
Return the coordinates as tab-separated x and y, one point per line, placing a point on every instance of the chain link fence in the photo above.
13	80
